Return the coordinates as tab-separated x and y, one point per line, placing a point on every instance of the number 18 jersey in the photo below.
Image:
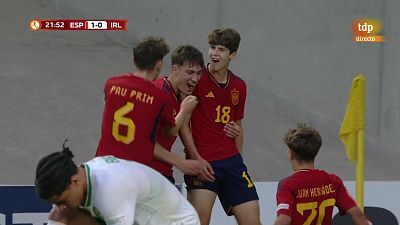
217	106
133	109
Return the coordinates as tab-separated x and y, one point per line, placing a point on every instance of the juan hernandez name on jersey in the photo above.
308	197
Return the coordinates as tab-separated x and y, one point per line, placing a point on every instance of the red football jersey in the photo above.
217	106
308	197
133	108
167	142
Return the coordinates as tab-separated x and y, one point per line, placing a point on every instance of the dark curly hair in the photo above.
53	173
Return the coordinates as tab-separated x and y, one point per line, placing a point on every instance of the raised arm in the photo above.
187	106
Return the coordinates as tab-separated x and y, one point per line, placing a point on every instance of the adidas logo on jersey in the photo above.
210	95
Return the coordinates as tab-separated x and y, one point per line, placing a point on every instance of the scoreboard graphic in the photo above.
78	24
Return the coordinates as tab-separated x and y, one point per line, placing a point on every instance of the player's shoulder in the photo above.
160	81
163	84
235	76
285	182
111	167
236	79
124	80
124	76
335	177
130	79
331	176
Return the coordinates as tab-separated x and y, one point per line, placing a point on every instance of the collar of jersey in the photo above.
303	170
171	88
228	79
88	200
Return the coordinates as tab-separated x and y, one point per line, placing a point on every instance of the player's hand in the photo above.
190	167
207	172
200	168
232	130
189	103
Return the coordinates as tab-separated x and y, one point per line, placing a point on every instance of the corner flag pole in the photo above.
360	170
352	133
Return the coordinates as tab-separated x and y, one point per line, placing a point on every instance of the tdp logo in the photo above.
367	30
365	27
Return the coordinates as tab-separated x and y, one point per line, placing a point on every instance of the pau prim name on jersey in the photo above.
132	94
315	191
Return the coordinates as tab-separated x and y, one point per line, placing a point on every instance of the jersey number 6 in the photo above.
121	120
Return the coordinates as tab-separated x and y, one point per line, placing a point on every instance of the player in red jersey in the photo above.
309	195
134	107
187	66
222	97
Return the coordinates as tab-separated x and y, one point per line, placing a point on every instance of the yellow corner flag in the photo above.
352	133
354	118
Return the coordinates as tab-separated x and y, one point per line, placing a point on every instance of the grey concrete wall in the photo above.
297	57
389	108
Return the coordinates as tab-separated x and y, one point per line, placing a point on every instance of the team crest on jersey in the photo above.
235	96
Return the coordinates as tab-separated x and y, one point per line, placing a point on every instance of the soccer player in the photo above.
222	96
116	191
134	107
187	66
309	194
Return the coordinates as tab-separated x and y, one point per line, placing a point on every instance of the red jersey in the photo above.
308	197
133	108
165	141
217	106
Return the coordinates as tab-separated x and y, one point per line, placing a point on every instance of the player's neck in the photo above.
221	76
148	75
82	176
298	166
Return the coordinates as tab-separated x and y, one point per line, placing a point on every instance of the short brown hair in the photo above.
187	53
304	142
227	37
148	52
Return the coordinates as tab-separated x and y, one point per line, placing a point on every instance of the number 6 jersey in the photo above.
308	197
133	108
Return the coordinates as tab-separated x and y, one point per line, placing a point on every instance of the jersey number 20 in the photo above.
121	120
313	206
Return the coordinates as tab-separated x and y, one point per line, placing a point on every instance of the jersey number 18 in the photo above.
223	114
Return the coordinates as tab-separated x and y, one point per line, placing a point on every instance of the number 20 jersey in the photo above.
308	197
133	108
217	106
